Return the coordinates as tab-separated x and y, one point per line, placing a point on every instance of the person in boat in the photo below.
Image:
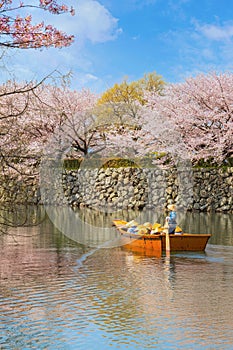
132	226
171	218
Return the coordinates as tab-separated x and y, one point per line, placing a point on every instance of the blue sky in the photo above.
128	38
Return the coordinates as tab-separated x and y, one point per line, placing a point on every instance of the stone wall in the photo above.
213	189
134	188
19	192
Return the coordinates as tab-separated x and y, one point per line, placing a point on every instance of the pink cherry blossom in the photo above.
20	32
201	109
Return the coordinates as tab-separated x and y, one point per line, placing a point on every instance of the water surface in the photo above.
58	294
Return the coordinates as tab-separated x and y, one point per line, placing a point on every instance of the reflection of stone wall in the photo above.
135	188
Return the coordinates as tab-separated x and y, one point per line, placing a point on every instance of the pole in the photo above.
167	239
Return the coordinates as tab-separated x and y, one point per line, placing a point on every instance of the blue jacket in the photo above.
172	218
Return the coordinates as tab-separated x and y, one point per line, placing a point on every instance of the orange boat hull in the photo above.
151	245
186	242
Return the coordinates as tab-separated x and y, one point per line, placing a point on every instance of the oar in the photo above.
167	237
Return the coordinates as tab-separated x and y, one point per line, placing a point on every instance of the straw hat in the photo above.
171	207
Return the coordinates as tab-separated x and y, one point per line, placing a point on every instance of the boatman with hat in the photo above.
171	218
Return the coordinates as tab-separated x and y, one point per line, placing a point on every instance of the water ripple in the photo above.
111	298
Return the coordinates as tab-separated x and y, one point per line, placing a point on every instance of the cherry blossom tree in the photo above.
67	116
18	31
16	102
190	120
156	138
201	109
15	162
45	118
20	147
38	115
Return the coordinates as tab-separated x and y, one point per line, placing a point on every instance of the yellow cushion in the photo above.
155	226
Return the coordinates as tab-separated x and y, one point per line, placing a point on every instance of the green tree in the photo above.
122	102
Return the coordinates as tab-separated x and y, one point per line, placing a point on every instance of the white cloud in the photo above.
91	77
199	48
95	23
216	32
92	23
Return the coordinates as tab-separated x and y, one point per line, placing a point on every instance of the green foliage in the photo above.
144	162
119	163
229	161
122	102
211	163
127	92
72	164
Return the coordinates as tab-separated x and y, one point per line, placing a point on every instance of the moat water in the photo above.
58	293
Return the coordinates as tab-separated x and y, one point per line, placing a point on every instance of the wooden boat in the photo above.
155	244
